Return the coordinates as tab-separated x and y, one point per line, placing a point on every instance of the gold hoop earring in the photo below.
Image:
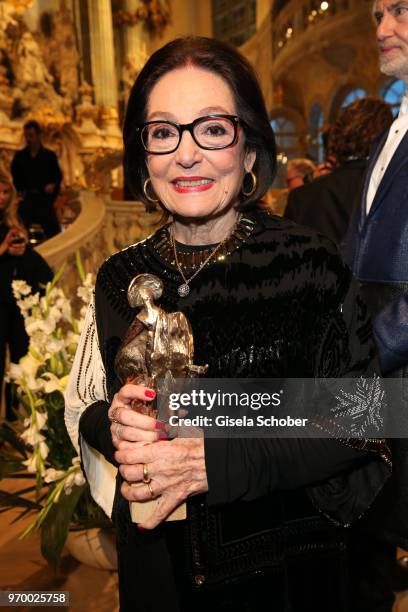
145	185
248	194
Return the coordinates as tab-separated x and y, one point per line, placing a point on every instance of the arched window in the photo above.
287	144
285	134
393	93
315	148
354	94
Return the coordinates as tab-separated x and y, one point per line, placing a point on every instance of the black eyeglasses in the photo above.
210	133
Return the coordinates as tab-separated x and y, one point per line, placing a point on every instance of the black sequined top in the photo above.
276	302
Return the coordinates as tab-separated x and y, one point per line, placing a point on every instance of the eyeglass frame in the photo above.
189	127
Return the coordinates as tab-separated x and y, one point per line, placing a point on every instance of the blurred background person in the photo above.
326	204
17	261
37	177
329	161
299	171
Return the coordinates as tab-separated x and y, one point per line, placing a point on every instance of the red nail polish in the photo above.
150	394
160	425
163	436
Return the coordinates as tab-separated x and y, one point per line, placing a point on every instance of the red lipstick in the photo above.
191	184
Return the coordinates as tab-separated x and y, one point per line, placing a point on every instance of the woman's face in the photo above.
193	182
5	195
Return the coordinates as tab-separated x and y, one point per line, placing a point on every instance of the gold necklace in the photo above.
184	289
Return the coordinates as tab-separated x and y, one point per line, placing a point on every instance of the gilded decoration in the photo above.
21	5
41	78
154	14
86	111
132	65
59	46
98	166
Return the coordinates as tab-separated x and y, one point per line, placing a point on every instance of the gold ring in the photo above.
146	477
150	488
118	429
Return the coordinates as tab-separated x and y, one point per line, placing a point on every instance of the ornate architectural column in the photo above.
103	62
135	38
263	8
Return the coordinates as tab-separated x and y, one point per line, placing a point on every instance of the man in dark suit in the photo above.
376	249
37	177
326	204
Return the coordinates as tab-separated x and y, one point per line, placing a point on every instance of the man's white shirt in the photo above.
395	135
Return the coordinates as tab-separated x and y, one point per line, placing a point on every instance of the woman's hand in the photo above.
176	469
129	426
10	246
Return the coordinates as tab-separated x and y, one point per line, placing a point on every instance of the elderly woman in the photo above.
264	299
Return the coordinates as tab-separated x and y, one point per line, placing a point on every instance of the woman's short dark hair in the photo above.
226	62
356	127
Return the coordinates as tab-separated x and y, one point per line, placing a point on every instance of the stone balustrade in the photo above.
102	228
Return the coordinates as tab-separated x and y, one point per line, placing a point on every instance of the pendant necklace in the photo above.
184	289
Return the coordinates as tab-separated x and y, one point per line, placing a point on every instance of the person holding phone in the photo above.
17	261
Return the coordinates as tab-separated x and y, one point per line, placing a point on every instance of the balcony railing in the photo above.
296	18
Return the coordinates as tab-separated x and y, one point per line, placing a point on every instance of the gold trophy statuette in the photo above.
157	349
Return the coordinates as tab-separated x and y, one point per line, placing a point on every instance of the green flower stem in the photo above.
39	463
43	514
51	499
79	265
55	280
31	401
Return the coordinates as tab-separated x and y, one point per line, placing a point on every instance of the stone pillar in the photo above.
103	62
135	38
263	8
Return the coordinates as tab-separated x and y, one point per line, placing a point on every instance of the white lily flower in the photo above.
55	313
69	481
53	383
71	337
20	287
29	365
22	373
46	325
41	419
32	436
66	310
29	302
44	305
79	479
31	464
15	372
44	450
38	342
55	345
85	291
89	280
51	475
25	373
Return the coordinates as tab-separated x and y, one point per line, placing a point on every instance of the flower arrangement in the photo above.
39	445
